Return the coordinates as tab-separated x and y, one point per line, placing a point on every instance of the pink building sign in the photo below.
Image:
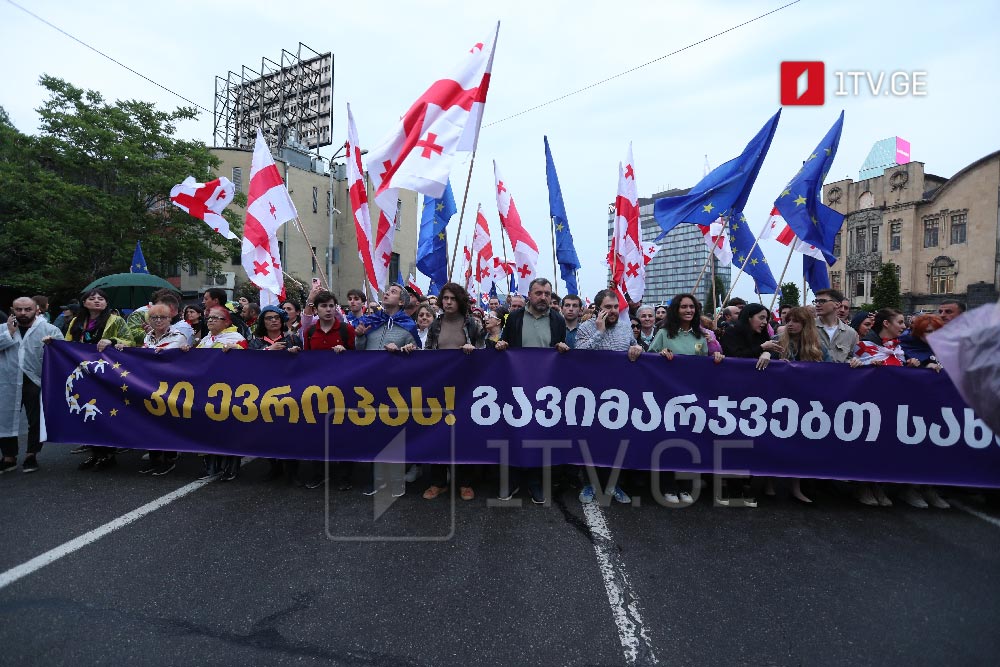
902	151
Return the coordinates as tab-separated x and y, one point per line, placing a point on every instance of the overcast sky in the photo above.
708	100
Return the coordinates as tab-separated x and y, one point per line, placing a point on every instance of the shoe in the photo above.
883	500
6	465
864	495
749	502
164	469
399	489
30	464
209	475
371	489
911	497
82	449
145	457
466	493
315	483
433	492
148	467
930	495
88	463
685	498
722	501
537	494
621	496
228	476
412	474
671	499
507	494
105	462
587	494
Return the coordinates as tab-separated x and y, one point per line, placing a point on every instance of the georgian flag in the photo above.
268	207
717	240
482	251
890	353
776	228
628	255
467	265
359	200
206	201
419	152
524	247
411	282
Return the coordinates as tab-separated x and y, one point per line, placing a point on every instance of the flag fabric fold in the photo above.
629	255
776	228
524	247
138	260
566	255
268	207
717	240
432	243
482	251
359	200
206	201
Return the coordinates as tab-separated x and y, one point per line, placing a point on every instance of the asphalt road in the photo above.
254	572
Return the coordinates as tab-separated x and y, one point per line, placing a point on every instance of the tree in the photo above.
885	291
295	290
790	295
75	199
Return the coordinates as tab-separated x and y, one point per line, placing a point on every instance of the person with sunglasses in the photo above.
840	339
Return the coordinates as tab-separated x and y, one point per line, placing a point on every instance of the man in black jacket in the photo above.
535	326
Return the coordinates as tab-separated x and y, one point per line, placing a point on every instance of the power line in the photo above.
101	53
638	67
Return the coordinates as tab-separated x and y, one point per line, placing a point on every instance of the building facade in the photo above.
682	256
943	234
323	204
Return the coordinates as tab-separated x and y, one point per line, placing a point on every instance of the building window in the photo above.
942	276
895	236
236	258
238	178
836	245
314	256
835	280
958	228
860	240
315	199
875	235
193	269
394	267
281	252
859	285
931	233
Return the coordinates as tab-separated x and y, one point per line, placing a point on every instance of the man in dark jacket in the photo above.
535	326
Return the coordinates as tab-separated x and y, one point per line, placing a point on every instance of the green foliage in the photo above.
293	290
75	199
885	291
790	295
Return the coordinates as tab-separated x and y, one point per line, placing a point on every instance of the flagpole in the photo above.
713	279
555	266
694	290
732	285
461	215
804	291
319	267
775	297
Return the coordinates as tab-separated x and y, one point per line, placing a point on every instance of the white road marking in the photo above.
622	598
52	555
976	513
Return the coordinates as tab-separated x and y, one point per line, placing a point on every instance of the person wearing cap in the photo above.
271	332
66	314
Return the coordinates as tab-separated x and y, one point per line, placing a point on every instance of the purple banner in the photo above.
528	408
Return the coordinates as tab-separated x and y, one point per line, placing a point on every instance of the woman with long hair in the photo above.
98	324
193	316
424	317
800	341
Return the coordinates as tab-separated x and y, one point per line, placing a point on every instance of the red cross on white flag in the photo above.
524	247
717	239
206	201
629	255
776	228
359	201
482	252
268	207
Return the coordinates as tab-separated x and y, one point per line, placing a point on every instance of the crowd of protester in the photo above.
405	321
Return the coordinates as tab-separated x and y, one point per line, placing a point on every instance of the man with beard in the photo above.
607	332
21	349
535	326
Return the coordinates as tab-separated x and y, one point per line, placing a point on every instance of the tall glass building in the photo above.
682	255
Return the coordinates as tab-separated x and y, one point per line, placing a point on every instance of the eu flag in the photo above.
138	261
800	204
432	242
565	250
814	271
741	240
724	191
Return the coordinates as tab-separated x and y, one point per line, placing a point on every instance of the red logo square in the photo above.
802	83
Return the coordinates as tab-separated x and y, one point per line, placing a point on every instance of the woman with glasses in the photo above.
491	324
271	332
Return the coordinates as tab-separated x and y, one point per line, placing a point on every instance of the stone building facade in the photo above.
943	234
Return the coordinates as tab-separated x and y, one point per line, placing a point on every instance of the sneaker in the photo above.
82	449
587	494
315	483
148	467
883	500
399	489
722	501
466	493
911	497
370	489
31	465
537	494
864	495
749	501
228	476
412	474
671	499
88	463
6	465
686	498
433	492
621	496
164	469
930	495
209	475
145	457
507	494
105	462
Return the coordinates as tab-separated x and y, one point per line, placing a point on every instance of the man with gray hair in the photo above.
21	350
